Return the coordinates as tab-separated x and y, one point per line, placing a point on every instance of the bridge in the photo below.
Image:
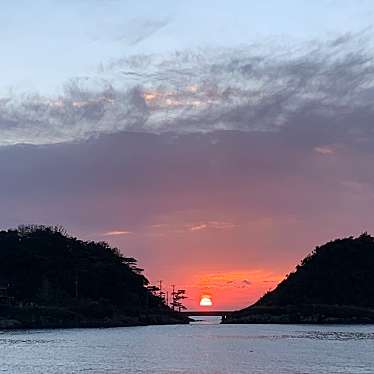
202	313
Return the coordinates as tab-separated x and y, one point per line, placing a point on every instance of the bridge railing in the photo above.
202	313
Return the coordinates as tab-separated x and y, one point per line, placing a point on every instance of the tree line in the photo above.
43	265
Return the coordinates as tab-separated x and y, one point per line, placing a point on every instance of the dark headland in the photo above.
51	280
334	284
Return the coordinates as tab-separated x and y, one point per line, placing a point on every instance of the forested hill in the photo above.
335	283
49	279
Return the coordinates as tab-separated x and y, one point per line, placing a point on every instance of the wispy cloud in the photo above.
129	32
254	88
326	150
215	225
236	279
183	228
117	233
199	227
138	30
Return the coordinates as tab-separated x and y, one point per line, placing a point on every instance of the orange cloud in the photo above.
117	233
237	279
232	289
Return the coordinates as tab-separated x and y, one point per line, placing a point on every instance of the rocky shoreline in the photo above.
51	318
302	314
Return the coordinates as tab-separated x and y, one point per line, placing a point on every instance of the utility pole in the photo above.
173	297
160	287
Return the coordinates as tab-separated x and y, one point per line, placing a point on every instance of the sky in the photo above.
217	143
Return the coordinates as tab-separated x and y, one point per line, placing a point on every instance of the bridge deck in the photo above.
206	313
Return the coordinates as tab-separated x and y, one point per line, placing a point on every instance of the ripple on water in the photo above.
204	349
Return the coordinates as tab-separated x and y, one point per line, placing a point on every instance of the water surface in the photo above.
199	348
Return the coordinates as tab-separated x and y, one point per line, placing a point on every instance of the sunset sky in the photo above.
217	142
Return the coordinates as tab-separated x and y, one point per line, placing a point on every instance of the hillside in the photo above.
49	279
334	284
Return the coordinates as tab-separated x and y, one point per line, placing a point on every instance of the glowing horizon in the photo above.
206	300
218	157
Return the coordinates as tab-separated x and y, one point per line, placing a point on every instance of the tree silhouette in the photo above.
45	267
332	284
177	297
340	272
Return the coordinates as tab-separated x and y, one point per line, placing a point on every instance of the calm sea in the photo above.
199	348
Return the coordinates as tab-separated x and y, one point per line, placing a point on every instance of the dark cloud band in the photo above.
254	88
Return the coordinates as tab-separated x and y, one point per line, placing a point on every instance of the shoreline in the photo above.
313	314
12	324
43	317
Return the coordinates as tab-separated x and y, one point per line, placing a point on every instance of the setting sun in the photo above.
206	300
